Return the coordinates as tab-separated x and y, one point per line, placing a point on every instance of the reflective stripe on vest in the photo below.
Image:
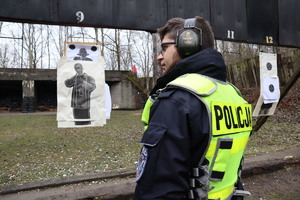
231	123
146	112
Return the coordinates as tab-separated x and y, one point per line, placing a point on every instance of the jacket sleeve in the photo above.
70	82
176	138
89	83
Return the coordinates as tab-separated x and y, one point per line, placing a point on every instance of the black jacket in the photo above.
178	131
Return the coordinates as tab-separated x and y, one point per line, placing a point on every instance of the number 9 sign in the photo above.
80	16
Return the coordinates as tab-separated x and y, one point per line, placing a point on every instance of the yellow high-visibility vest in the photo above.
230	119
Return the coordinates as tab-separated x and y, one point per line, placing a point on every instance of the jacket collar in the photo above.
207	62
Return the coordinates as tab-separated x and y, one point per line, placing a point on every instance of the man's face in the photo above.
169	56
83	54
78	68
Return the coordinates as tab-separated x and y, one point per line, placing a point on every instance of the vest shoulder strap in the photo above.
189	82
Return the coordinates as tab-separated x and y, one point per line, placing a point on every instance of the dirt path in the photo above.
279	185
273	176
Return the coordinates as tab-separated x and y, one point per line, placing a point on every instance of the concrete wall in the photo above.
123	93
47	74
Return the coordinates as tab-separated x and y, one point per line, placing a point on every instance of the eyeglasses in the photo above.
164	47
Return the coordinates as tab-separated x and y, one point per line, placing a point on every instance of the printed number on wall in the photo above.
230	34
80	16
269	39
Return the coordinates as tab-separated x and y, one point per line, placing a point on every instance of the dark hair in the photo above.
175	24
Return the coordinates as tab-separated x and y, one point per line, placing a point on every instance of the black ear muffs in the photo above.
189	39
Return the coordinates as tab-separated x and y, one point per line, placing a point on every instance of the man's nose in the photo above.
160	57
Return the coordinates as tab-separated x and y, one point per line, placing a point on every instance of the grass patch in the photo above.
33	148
274	136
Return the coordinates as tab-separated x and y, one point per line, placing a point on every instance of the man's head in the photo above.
78	68
168	35
82	52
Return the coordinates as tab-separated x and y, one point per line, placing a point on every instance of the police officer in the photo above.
196	124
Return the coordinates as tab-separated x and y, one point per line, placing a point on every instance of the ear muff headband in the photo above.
190	23
189	38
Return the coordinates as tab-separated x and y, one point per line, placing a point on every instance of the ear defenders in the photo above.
189	38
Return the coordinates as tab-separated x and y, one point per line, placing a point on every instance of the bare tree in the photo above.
42	52
44	44
48	46
143	51
234	52
118	47
144	54
102	42
4	58
33	45
157	72
98	41
126	49
114	46
62	39
1	23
